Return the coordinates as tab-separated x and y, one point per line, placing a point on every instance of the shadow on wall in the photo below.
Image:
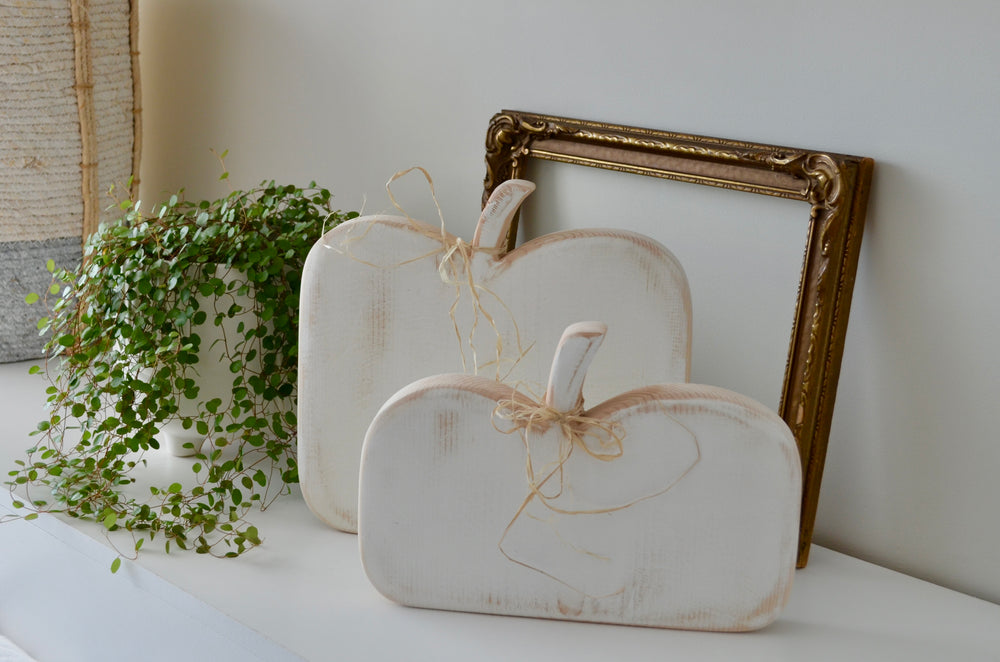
231	74
341	93
904	382
183	83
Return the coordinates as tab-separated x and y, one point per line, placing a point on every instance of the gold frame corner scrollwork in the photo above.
836	186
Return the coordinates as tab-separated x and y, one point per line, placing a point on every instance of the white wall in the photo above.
348	92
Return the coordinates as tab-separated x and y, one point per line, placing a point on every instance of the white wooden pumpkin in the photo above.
377	313
693	525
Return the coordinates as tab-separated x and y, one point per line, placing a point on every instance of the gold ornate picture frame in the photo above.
836	186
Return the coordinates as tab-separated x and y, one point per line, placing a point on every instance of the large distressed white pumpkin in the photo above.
377	313
691	522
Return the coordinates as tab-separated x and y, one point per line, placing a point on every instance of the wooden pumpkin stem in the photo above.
576	350
499	212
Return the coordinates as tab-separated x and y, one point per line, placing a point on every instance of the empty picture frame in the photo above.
835	185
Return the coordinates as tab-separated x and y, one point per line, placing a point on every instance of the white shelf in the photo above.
303	594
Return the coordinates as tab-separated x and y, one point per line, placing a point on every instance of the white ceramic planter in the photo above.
211	373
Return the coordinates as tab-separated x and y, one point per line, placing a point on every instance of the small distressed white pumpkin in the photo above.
377	313
691	522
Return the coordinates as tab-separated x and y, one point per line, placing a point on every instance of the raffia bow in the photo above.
525	416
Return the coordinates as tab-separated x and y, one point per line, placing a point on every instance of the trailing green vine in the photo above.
123	358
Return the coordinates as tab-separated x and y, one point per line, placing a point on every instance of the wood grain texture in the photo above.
696	523
375	316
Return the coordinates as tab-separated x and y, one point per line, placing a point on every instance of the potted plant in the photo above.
183	322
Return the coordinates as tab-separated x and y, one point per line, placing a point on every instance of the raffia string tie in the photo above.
600	439
454	269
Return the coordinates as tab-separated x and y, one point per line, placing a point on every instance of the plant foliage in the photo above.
123	359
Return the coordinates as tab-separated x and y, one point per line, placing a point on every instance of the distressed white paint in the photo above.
375	317
694	525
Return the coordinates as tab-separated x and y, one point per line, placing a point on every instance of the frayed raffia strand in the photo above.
455	269
524	416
